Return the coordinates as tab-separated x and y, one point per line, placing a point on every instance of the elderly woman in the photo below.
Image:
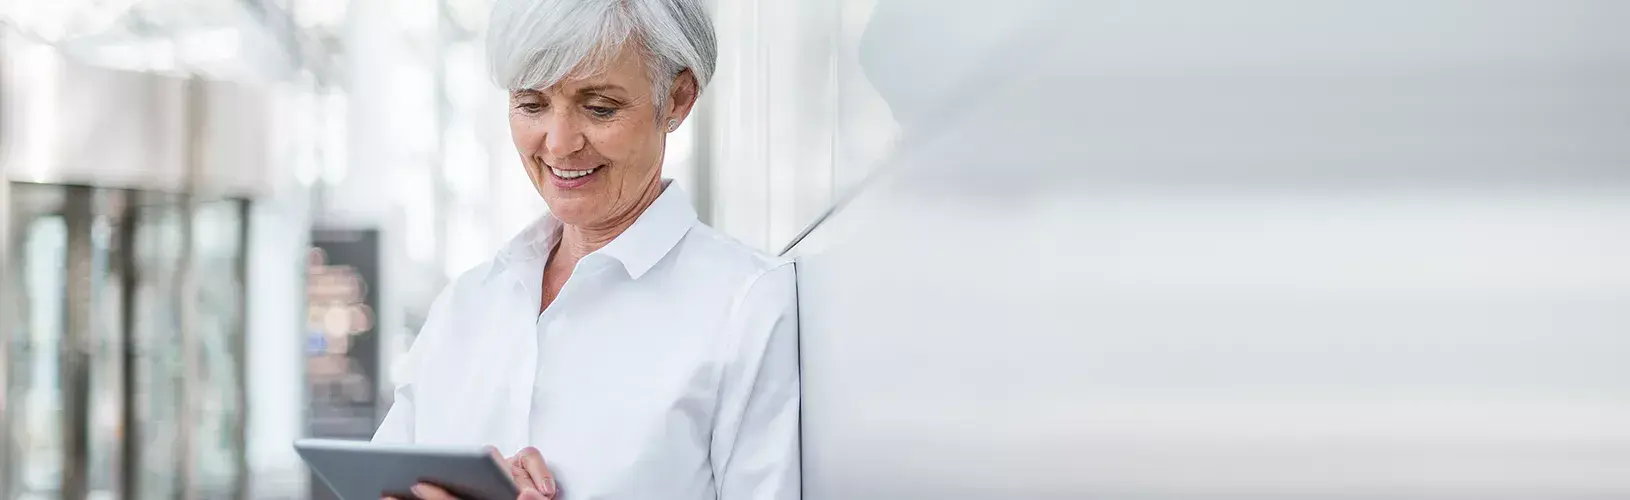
618	347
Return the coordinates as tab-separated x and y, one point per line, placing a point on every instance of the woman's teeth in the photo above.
572	174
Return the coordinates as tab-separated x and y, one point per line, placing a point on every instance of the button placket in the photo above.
552	323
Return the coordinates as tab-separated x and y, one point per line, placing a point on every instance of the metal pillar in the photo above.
78	215
130	352
238	346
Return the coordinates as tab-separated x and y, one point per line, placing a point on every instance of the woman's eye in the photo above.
601	111
529	107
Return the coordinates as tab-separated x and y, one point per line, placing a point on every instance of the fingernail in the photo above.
421	490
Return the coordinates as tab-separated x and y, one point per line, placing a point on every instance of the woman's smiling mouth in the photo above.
572	179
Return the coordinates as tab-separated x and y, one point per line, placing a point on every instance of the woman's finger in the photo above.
532	461
517	473
427	491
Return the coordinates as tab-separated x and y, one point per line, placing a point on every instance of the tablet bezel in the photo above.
362	470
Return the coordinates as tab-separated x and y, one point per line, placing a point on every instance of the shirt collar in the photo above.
657	230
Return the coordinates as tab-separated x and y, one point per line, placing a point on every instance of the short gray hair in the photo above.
534	44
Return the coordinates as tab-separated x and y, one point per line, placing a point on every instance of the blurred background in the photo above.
1048	249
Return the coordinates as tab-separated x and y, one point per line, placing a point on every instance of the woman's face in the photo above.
593	144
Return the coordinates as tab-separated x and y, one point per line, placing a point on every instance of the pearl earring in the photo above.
673	125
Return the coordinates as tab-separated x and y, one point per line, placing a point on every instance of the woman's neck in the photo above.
579	241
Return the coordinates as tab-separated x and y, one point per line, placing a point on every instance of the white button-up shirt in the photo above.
667	367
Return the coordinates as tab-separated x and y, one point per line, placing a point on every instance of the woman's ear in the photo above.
682	96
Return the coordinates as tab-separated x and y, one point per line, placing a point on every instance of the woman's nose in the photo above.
562	135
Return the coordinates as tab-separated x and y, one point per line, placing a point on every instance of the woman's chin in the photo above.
570	210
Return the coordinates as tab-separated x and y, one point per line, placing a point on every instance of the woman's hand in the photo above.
427	491
527	468
530	472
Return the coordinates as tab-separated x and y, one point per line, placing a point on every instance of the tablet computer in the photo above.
360	470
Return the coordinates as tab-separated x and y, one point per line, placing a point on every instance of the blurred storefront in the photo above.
127	199
139	141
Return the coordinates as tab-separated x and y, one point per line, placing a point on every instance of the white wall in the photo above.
1190	249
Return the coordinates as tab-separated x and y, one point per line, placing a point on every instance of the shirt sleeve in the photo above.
397	427
755	448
